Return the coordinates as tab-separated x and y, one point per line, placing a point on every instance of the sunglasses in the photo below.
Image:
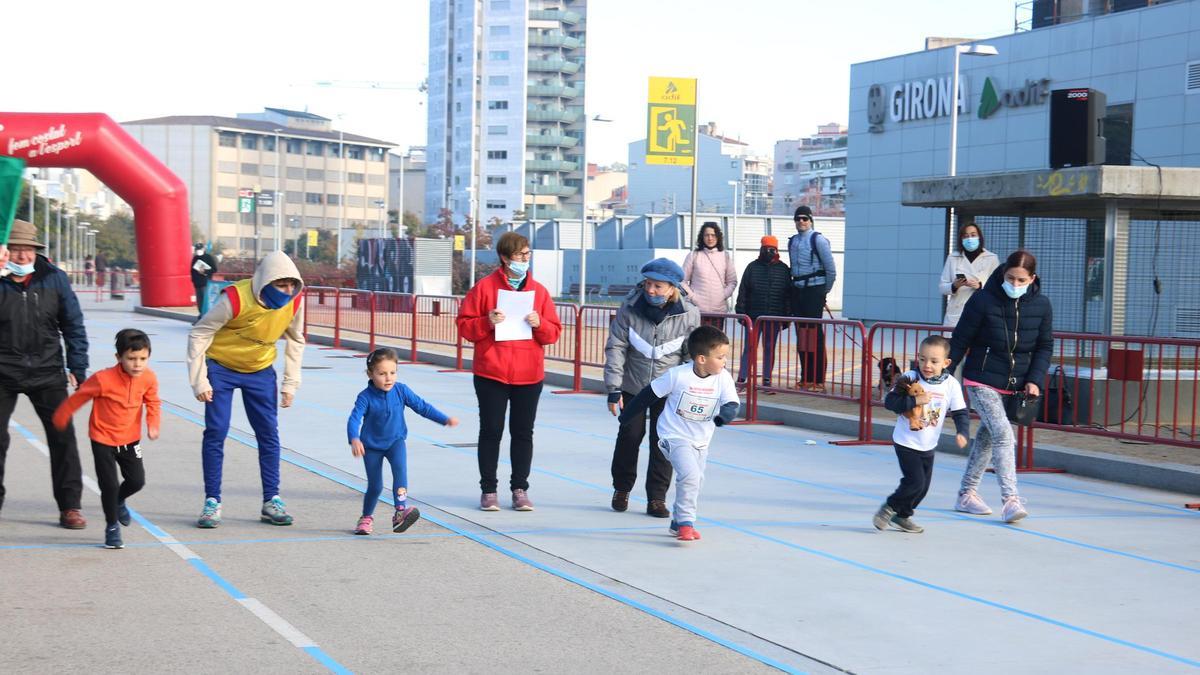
804	219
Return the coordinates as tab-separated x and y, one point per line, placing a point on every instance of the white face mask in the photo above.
970	244
1014	292
18	269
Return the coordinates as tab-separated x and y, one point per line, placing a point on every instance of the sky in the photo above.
768	69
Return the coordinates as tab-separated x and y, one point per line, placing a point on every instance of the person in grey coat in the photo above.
647	337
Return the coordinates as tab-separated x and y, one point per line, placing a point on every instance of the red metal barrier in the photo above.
354	314
900	342
742	340
320	308
396	318
592	327
567	349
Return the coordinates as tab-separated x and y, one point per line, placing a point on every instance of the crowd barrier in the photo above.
1130	388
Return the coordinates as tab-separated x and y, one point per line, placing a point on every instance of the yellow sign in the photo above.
460	242
312	237
671	121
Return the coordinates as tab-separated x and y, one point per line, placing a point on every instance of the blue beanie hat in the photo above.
662	269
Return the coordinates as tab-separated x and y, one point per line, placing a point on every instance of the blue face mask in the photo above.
656	300
970	244
274	298
19	270
1014	292
519	267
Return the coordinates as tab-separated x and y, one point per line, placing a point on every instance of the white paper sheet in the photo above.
516	305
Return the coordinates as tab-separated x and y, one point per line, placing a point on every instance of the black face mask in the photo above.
767	253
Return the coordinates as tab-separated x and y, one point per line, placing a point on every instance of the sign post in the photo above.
671	133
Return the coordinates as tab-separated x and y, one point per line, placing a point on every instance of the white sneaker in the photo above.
1014	509
970	502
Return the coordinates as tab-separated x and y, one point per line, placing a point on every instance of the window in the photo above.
333	200
458	81
497	105
295	146
227	217
354	152
458	106
1118	132
497	180
376	179
312	198
376	154
497	130
314	174
294	198
268	143
295	173
353	200
227	191
497	154
227	139
498	55
493	204
335	150
315	148
355	177
246	218
266	169
499	30
498	80
227	167
249	142
249	169
500	5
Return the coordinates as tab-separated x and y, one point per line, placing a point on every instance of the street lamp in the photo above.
969	50
280	206
733	225
380	203
583	205
471	215
81	230
400	220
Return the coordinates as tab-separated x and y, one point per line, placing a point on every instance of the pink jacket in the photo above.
710	276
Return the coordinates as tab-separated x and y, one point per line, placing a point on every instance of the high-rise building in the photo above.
506	124
811	171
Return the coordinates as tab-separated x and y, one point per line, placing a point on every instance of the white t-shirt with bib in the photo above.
944	398
692	403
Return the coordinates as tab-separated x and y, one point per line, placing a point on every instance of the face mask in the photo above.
519	267
767	253
970	244
274	298
656	300
19	270
1014	292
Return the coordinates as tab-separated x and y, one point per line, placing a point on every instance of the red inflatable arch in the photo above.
93	141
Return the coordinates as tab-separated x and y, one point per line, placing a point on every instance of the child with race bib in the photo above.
377	431
700	396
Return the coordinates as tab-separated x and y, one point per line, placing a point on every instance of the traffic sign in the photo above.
266	200
245	204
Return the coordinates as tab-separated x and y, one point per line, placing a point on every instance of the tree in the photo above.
115	240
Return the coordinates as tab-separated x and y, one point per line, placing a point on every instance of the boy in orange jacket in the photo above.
115	427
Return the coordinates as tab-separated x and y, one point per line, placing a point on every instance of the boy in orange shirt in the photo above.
115	427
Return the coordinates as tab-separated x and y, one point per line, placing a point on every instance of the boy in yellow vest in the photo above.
233	347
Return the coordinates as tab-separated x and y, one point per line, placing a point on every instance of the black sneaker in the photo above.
620	501
907	525
657	508
112	537
123	514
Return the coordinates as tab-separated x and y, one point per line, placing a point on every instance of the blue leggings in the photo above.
259	398
373	461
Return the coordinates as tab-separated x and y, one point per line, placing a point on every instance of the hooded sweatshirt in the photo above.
276	265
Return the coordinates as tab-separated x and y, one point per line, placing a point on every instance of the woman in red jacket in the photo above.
507	372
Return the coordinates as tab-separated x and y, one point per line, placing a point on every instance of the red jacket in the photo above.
117	401
511	361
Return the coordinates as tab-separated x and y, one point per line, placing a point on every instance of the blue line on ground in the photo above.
217	578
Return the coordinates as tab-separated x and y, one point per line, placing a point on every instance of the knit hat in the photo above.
662	269
769	240
802	210
25	234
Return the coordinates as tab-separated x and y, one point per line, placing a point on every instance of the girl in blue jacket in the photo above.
377	431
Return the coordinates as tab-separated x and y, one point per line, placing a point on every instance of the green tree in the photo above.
116	241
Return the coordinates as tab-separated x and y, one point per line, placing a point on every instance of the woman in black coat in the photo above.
764	291
1006	332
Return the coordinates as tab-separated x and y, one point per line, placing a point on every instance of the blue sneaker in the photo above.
210	517
112	537
673	528
275	513
123	514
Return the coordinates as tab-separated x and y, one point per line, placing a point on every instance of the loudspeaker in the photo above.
1076	127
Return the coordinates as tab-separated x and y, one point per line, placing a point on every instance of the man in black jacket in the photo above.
38	312
764	291
203	268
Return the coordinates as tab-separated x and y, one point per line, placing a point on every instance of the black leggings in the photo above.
112	490
494	398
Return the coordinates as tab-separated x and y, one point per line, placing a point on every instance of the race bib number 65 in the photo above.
696	408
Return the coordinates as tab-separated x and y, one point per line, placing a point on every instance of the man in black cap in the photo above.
38	313
813	274
203	268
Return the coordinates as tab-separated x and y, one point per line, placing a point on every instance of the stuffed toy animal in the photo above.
915	416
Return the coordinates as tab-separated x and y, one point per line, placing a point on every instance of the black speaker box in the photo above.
1076	127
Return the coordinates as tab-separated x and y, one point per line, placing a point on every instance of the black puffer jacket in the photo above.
35	320
1008	342
765	289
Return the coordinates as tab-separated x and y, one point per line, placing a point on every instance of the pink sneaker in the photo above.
1014	509
969	502
365	525
404	519
489	502
521	501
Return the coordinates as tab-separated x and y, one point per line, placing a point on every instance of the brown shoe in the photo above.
620	501
72	519
657	508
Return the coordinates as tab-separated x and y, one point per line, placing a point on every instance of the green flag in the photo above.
12	169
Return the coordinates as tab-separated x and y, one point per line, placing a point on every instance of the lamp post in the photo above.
471	205
400	218
583	205
733	225
969	50
383	230
342	201
280	207
80	235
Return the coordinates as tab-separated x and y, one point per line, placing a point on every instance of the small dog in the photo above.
916	416
889	372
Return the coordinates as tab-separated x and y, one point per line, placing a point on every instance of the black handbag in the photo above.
1058	398
1021	408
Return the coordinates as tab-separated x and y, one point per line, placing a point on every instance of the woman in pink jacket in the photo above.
709	272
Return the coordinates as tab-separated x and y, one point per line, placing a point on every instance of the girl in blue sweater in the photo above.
377	431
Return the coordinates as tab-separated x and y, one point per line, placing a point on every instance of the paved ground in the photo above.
790	574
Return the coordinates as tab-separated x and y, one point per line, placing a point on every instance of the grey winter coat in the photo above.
639	350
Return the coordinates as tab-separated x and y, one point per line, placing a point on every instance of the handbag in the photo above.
1021	408
1058	399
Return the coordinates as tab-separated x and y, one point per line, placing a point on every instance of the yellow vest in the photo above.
246	343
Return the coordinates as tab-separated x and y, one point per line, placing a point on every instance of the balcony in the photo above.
551	140
559	115
550	165
556	189
561	15
552	40
554	66
559	90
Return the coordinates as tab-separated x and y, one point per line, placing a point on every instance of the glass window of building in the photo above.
498	55
227	139
249	169
315	148
335	150
499	31
249	142
496	204
333	200
354	151
268	143
500	5
355	177
295	173
497	154
497	130
498	80
497	180
314	174
497	105
295	146
377	154
312	198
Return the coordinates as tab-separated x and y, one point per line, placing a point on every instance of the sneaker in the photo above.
687	533
907	525
882	517
657	508
210	517
123	514
620	501
489	502
969	502
365	525
1014	509
72	519
404	518
521	501
112	537
275	513
673	528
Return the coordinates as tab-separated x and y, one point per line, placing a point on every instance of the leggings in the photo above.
993	442
373	461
